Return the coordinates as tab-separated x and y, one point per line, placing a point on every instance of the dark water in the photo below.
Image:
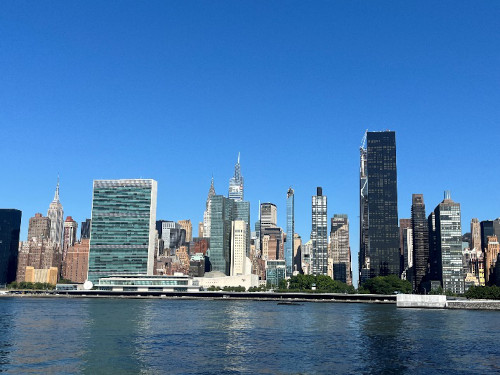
115	336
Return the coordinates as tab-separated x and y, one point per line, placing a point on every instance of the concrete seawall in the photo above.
441	302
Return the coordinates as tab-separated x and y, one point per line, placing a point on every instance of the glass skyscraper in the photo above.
420	232
290	230
122	236
319	234
10	224
448	245
379	207
223	212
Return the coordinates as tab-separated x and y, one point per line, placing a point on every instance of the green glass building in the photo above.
223	212
123	228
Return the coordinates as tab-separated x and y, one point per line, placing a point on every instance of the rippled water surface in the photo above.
145	336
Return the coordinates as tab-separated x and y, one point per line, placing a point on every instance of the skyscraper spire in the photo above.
56	195
236	183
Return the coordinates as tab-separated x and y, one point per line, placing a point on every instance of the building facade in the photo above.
379	216
208	211
319	234
39	227
76	262
122	239
10	225
449	244
188	227
236	183
69	234
340	249
56	215
238	247
420	233
290	231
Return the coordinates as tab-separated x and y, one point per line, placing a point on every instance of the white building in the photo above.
238	247
55	213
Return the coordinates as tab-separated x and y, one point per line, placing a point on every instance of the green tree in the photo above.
387	285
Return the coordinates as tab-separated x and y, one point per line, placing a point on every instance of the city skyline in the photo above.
219	85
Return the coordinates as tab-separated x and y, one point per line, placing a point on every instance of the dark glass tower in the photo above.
85	229
10	223
420	232
383	231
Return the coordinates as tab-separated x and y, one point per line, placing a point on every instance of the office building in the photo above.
76	262
475	232
379	251
39	253
200	229
420	233
236	183
122	239
319	234
275	272
10	224
268	216
39	227
238	247
69	234
491	255
404	224
208	210
448	246
297	253
85	229
290	230
56	215
223	212
188	227
340	249
273	243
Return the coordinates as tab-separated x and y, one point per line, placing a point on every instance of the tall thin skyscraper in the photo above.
420	232
238	247
208	210
122	239
56	215
290	231
475	232
364	243
236	183
379	224
449	244
69	237
10	224
319	234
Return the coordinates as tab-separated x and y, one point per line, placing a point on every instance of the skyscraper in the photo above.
236	183
378	205
223	212
39	227
188	227
56	215
290	231
475	232
319	234
238	247
10	224
364	243
420	232
208	210
449	244
340	249
122	239
69	234
268	215
85	229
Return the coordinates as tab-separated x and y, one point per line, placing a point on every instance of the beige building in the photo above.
45	275
238	247
491	255
188	227
475	233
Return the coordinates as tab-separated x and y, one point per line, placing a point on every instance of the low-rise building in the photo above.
144	283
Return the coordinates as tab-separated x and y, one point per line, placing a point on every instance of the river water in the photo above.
147	336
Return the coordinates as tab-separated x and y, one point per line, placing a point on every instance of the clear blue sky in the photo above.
174	90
